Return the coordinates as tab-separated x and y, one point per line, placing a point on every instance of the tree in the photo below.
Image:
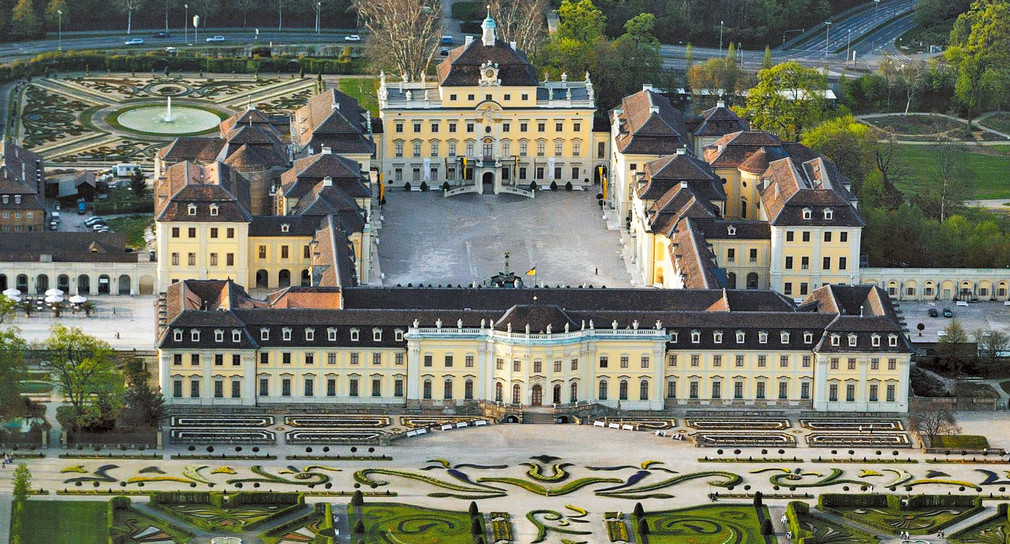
143	405
846	142
129	6
788	99
946	192
574	48
403	34
22	482
714	79
168	5
138	183
8	308
12	368
628	62
912	76
889	169
992	345
766	527
931	420
87	375
244	7
758	499
24	21
53	17
522	22
980	51
766	63
953	349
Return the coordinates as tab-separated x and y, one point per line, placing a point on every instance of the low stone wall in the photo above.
963	404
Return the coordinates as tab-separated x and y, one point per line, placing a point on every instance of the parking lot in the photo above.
426	238
974	316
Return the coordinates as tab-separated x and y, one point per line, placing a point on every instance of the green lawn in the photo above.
918	521
988	171
708	524
138	527
961	442
830	532
364	89
133	226
998	121
406	524
995	530
36	387
65	522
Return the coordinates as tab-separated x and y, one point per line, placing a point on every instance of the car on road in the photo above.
446	39
170	50
92	220
162	34
97	227
215	39
135	41
53	225
933	312
352	38
444	52
947	312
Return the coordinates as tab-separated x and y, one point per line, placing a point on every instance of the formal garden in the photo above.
86	120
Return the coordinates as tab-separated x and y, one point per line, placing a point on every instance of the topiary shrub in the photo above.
643	526
766	527
639	510
445	185
406	186
568	186
424	186
474	511
533	186
358	498
554	186
758	499
359	527
475	527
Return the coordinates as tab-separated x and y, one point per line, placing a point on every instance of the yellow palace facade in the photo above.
488	125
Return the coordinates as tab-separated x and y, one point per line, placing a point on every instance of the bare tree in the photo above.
932	420
912	78
167	4
243	7
129	6
950	187
521	21
402	33
992	345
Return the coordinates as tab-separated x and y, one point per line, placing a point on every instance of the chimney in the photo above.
468	40
720	104
682	150
327	150
653	109
328	181
647	86
683	185
513	44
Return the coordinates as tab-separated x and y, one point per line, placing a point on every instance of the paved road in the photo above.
5	517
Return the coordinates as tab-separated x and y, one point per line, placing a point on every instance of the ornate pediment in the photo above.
489	75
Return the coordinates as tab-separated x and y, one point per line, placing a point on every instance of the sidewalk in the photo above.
5	517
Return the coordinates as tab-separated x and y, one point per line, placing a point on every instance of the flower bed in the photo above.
367	422
920	514
217	422
333	437
209	456
866	425
960	442
501	527
617	530
235	513
715	440
834	440
707	524
111	455
217	436
311	457
879	460
708	459
720	424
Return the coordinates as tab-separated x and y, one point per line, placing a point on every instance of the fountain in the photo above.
226	540
168	121
168	112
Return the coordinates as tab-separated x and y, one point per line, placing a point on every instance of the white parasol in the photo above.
53	299
77	299
54	293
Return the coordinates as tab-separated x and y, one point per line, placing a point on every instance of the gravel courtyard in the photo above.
427	238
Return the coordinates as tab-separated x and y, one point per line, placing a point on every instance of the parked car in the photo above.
446	39
352	38
53	225
444	52
215	39
170	50
92	220
135	41
933	312
97	227
947	312
162	34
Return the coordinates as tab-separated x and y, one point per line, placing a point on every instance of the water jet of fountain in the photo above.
168	118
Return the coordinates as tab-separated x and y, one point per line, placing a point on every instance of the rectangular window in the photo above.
355	358
760	394
603	361
834	363
213	232
645	361
236	389
236	360
833	392
731	256
468	361
264	358
806	361
753	255
850	393
264	387
448	361
177	359
575	364
672	360
191	231
790	236
213	259
716	390
693	390
331	387
286	387
517	366
826	264
286	358
873	392
806	236
538	367
624	361
557	367
191	259
353	387
194	359
890	393
843	237
783	390
309	387
695	360
789	263
398	388
177	389
175	232
218	359
762	361
738	390
231	232
376	387
377	358
310	358
787	288
175	259
852	363
398	359
229	259
892	364
783	361
194	389
717	360
805	390
739	361
804	263
827	236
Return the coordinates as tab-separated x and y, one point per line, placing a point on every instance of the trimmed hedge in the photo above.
894	502
867	500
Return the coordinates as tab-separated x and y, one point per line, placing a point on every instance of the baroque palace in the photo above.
754	243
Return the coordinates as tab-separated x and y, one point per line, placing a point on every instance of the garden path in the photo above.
883	537
5	517
987	511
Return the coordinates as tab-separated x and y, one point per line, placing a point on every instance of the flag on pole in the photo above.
604	188
532	271
382	189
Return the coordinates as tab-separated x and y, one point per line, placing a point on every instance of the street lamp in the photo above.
185	24
827	37
196	28
59	31
280	14
876	4
848	47
319	7
720	38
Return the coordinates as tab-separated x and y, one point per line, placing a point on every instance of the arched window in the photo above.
468	390
498	392
557	394
622	393
573	395
427	389
447	389
517	394
603	390
643	390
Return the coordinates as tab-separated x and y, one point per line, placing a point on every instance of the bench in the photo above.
480	423
447	427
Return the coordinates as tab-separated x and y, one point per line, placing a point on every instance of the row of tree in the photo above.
21	19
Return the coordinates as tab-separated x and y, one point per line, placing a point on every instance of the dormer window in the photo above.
177	335
285	227
807	214
673	336
236	335
398	335
852	340
808	338
286	334
354	335
717	337
213	210
331	334
829	214
892	340
192	209
731	230
836	340
875	340
310	335
741	337
377	335
264	334
17	199
784	337
219	336
695	337
194	335
762	337
7	199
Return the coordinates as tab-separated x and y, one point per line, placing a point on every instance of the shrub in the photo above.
554	186
568	186
474	511
475	527
643	526
766	527
758	499
406	186
359	527
424	186
358	498
639	511
445	185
